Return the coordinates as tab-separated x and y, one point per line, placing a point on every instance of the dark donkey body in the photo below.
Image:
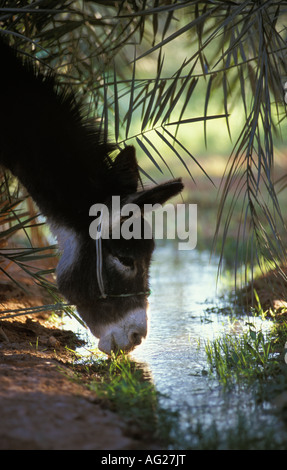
65	164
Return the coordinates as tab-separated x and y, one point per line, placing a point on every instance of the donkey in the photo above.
66	165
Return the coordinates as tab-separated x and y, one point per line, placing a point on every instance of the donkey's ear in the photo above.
125	169
158	194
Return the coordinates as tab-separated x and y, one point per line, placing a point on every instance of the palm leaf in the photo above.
240	51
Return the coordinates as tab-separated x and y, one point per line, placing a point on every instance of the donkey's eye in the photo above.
126	261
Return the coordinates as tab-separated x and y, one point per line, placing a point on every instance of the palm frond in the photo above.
237	48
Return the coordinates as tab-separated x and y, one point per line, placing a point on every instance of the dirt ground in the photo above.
41	406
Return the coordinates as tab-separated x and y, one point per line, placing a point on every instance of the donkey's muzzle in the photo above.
124	335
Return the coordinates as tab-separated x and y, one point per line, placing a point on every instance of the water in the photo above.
183	288
183	285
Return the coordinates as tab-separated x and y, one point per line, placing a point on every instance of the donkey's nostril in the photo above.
125	335
135	338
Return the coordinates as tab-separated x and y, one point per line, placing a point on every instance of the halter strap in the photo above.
100	259
100	267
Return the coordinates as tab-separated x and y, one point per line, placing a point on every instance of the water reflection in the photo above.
181	283
183	287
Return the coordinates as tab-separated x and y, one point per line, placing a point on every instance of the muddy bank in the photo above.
271	289
42	406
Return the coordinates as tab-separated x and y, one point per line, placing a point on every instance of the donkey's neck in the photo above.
69	244
61	159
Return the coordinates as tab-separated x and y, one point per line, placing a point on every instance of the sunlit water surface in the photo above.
183	318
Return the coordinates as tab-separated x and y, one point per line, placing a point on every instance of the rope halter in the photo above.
99	253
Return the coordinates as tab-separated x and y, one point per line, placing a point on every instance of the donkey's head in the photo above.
107	277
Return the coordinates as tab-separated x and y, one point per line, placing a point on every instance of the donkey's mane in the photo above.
45	129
